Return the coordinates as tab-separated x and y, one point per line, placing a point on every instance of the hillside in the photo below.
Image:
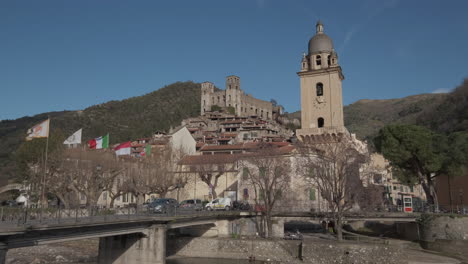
367	117
131	118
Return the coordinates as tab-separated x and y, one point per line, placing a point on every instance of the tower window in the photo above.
229	97
204	102
318	60
321	122
328	60
319	89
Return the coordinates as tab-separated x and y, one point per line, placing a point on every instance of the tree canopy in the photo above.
419	155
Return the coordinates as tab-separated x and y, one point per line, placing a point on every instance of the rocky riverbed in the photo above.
315	251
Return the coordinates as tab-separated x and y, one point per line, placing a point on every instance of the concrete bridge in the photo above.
141	238
12	186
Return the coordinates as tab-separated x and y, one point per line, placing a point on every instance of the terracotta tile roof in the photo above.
229	134
209	159
222	147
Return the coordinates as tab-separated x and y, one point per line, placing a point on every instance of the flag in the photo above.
99	143
123	149
74	139
146	151
40	130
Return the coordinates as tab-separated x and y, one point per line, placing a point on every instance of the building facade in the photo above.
234	97
321	89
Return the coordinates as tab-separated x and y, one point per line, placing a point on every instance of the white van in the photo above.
219	204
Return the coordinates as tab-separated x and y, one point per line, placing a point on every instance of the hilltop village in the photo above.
233	125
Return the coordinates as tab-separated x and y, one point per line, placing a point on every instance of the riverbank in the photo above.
218	250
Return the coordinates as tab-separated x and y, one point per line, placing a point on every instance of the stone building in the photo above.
321	91
243	104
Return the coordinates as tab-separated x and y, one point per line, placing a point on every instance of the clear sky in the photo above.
68	55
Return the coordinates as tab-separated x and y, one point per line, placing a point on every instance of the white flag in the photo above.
74	139
39	131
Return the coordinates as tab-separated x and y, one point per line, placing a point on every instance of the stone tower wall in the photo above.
245	105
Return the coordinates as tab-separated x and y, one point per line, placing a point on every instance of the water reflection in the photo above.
211	261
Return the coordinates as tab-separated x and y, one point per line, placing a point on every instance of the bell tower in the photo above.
321	90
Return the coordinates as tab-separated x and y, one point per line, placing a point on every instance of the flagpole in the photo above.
45	166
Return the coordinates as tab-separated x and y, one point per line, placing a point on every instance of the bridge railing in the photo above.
58	216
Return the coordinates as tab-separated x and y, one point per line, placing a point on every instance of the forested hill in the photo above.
124	120
443	113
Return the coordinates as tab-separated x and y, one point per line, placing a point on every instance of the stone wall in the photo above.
447	234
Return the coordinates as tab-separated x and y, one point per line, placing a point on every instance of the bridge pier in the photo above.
134	248
3	252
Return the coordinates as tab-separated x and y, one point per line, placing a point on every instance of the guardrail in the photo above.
57	216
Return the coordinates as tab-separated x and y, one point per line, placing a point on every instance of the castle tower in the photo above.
321	92
207	90
233	93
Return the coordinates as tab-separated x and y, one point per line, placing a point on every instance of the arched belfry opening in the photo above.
319	89
318	60
320	122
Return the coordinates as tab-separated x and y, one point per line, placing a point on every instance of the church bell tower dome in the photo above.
320	42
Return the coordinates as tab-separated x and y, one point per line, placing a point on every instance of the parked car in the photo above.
163	205
241	205
219	204
193	204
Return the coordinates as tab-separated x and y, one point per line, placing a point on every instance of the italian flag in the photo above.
99	143
123	149
146	151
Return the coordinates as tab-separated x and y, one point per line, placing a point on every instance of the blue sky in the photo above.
57	55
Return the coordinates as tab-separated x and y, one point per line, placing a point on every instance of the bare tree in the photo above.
268	171
92	172
157	173
333	168
209	168
120	187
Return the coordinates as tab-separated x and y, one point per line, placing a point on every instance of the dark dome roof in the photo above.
320	43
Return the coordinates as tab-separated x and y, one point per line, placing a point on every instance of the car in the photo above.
163	205
193	204
219	204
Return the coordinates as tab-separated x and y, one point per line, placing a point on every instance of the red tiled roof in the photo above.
229	134
222	147
209	159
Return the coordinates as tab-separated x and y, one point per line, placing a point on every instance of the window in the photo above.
319	89
229	97
321	122
204	102
104	196
246	193
312	194
328	60
318	60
